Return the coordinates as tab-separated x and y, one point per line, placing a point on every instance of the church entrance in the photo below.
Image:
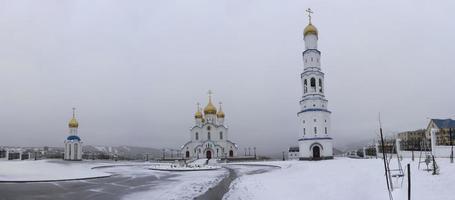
231	153
316	152
187	154
208	154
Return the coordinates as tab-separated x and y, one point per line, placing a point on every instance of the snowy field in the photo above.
341	178
46	170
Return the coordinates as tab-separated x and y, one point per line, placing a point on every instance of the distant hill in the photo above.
131	152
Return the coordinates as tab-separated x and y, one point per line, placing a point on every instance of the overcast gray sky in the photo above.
135	69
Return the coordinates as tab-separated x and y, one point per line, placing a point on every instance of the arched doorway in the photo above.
187	154
231	153
316	152
208	154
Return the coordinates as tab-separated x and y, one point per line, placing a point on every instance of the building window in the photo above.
314	120
221	135
304	131
304	121
315	130
305	83
208	135
208	128
325	130
197	136
320	85
313	82
311	59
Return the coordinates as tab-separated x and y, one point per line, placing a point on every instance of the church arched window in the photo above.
221	135
315	130
197	136
320	85
313	84
325	130
304	131
208	135
305	83
208	128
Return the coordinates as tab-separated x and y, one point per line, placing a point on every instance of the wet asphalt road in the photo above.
111	188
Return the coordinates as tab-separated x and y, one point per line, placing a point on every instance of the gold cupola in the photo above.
310	28
73	122
220	113
210	109
198	114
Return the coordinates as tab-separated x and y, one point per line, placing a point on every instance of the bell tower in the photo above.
315	142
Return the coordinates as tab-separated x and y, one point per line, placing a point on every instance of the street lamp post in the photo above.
254	148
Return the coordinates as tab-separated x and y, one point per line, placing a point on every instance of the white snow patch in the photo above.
341	178
45	170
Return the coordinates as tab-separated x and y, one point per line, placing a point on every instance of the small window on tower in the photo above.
208	135
311	59
313	82
315	130
304	132
208	128
314	120
197	136
221	135
304	121
325	130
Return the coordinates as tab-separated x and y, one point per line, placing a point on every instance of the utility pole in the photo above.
283	156
451	144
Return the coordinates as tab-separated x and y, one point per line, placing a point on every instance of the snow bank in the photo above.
47	170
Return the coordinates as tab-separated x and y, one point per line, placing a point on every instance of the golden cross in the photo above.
74	112
198	104
309	11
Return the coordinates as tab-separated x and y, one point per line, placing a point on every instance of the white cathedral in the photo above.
315	142
73	143
209	135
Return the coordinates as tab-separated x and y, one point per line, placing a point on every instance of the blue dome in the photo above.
73	137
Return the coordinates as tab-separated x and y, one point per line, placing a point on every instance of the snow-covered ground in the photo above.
186	185
46	170
341	178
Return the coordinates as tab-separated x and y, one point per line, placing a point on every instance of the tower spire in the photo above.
309	11
74	112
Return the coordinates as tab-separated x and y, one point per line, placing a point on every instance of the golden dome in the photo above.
220	113
198	114
73	122
310	29
210	109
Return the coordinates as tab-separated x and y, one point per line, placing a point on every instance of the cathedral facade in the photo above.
315	142
209	137
73	143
